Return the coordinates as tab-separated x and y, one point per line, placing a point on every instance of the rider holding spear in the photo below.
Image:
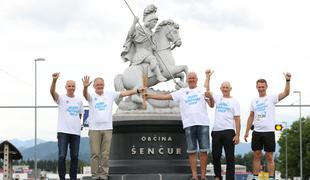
139	45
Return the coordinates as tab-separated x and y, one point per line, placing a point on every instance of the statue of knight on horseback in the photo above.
139	45
150	57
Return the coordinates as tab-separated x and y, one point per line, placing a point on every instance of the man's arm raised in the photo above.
86	83
286	91
209	94
208	77
53	86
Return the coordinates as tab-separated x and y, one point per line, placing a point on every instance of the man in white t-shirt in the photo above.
226	129
100	124
262	116
195	121
70	109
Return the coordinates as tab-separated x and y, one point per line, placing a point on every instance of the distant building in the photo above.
8	152
22	169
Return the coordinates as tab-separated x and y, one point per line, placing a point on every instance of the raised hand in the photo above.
209	72
208	94
86	81
55	75
287	76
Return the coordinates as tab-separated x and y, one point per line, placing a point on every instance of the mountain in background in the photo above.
24	144
49	151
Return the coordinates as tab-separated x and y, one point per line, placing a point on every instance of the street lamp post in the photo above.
35	117
300	134
286	167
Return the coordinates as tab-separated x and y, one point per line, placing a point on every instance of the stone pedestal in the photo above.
148	146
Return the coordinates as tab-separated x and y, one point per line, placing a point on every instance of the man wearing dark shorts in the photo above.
262	116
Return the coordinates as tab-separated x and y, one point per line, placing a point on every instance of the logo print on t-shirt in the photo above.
101	106
73	110
193	99
222	107
261	109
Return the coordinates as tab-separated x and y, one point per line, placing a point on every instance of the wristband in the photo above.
288	80
138	92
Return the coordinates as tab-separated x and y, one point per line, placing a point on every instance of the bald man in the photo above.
70	109
195	121
226	128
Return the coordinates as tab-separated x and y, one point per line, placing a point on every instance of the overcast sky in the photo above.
241	40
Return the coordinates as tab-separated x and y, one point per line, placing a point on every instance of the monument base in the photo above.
148	147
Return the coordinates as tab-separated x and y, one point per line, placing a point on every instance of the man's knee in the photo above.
257	155
269	157
62	157
74	155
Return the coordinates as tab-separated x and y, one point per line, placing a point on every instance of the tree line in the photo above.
293	144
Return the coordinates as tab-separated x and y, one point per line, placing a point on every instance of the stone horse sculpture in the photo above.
166	37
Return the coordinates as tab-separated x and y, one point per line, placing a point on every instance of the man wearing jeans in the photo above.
100	124
70	110
195	121
226	129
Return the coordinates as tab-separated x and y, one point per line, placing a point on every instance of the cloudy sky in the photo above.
241	40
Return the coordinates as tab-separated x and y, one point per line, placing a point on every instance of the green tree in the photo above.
293	155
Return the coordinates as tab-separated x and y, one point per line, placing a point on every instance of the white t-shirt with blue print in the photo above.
192	105
100	110
69	110
264	113
225	111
